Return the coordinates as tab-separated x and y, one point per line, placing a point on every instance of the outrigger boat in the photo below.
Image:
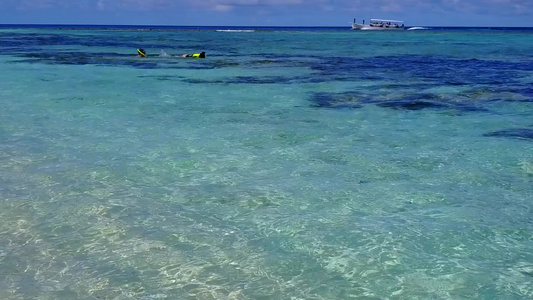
379	24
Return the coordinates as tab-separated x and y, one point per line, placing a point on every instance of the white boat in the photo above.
379	24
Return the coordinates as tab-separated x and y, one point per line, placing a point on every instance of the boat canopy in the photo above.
381	20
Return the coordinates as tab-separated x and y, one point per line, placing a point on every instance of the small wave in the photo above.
235	30
164	54
417	28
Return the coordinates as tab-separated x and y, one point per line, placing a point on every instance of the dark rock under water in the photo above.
518	133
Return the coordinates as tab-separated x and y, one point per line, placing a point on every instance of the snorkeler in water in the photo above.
142	53
196	55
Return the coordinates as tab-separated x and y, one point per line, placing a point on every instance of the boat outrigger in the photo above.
379	24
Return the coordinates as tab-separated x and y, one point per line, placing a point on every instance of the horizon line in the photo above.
270	26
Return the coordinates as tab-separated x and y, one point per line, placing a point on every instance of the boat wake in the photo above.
234	30
164	54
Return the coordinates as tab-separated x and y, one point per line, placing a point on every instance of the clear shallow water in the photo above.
285	165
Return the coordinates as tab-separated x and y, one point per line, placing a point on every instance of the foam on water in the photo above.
285	165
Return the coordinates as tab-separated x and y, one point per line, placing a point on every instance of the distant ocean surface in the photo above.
290	163
255	28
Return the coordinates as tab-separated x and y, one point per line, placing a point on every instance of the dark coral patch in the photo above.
469	107
85	58
247	80
259	80
162	77
518	133
527	91
357	100
411	101
452	71
412	104
331	100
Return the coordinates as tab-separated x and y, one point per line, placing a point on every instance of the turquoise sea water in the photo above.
288	164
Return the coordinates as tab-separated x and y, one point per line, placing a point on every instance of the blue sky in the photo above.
267	12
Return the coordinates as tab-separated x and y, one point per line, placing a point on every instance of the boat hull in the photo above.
356	26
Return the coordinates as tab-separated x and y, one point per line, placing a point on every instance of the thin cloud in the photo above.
136	4
496	7
229	5
26	4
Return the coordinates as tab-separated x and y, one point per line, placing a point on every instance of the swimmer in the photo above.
141	53
195	55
